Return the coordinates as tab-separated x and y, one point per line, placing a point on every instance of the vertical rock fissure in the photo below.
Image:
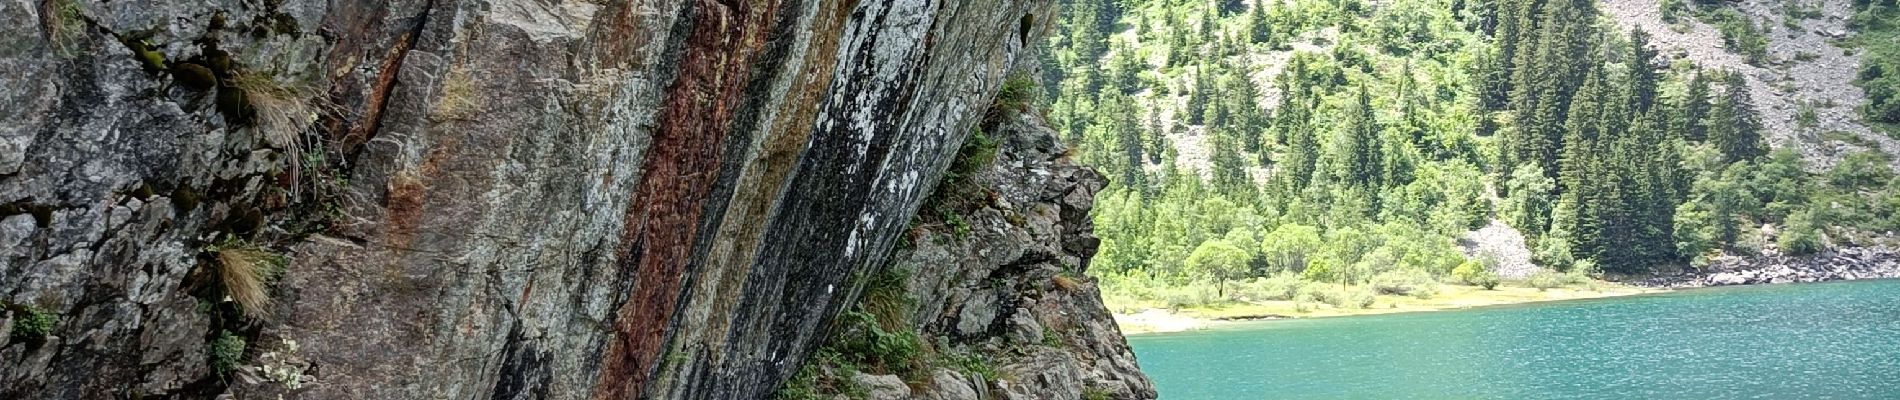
663	217
386	73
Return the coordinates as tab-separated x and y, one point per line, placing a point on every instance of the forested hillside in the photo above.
1256	147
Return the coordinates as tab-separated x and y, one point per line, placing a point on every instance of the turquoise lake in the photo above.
1836	340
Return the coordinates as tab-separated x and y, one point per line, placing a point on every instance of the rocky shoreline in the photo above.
1851	263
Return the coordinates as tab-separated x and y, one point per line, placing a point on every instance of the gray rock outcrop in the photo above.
996	267
457	199
1849	263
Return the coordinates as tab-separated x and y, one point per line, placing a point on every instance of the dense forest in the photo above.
1258	147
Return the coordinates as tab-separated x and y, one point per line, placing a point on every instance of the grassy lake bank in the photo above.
1135	319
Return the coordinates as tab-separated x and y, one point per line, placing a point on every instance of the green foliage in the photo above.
1282	286
32	323
1554	252
1408	282
1879	72
1389	127
861	339
1290	247
1673	10
1862	170
1800	236
1219	261
1740	33
826	374
977	365
1337	296
1017	94
1734	128
225	352
1477	273
1529	205
956	223
1545	279
978	151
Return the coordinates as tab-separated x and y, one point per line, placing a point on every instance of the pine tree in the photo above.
1086	38
1229	168
1125	68
1242	104
1259	27
1360	160
1198	98
1641	67
1118	112
1691	113
1294	127
1583	128
1734	127
1156	135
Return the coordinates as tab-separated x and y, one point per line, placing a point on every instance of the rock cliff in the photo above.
501	199
986	297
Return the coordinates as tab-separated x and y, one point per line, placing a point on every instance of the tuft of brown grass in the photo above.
1066	283
282	112
244	274
281	115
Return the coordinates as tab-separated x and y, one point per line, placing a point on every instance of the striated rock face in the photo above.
500	199
995	267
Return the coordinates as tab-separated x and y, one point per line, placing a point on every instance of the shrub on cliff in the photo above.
32	323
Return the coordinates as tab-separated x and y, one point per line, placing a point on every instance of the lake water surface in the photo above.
1803	341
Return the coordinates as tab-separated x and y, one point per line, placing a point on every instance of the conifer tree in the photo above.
1734	127
1641	67
1259	27
1691	113
1359	160
1302	146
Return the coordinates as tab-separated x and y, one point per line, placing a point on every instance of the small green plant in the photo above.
887	299
957	225
972	364
823	376
1805	115
1017	94
1095	393
32	323
1672	10
225	352
1049	338
978	151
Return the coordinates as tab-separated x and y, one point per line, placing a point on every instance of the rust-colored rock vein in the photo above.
663	215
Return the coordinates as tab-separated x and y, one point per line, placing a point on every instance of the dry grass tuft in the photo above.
244	273
1066	283
282	115
282	112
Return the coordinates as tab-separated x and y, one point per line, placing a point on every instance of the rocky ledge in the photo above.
1832	265
994	292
